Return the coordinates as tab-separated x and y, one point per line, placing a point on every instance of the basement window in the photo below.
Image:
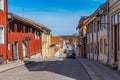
1	35
1	5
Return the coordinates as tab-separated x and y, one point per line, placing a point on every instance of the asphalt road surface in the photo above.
64	69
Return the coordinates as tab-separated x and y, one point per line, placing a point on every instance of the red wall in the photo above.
55	39
3	21
34	45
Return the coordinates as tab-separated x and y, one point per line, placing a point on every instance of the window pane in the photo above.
24	28
1	4
116	19
1	35
15	27
119	18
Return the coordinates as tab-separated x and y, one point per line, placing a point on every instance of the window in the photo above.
101	46
94	27
105	46
116	19
1	5
15	27
8	46
24	29
35	33
119	18
30	30
1	35
38	34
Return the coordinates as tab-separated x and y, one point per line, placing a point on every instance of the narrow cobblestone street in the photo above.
66	69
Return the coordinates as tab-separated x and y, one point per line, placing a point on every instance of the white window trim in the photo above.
2	41
2	6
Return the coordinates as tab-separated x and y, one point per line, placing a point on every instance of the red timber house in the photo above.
24	38
3	30
19	37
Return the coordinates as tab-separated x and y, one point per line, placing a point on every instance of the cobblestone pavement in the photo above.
66	69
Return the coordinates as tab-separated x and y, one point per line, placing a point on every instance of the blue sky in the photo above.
61	16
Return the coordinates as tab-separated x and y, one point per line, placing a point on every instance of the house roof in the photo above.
28	21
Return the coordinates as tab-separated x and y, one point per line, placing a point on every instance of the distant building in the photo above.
46	41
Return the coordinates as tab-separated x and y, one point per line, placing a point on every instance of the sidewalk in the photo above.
98	71
5	67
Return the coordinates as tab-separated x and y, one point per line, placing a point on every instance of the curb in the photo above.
88	70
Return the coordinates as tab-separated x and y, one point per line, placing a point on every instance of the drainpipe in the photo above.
7	35
97	40
108	30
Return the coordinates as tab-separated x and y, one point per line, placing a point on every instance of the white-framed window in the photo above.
24	29
30	30
1	35
35	33
1	4
15	27
8	46
116	19
38	35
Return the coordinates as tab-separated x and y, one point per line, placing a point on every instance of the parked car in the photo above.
70	55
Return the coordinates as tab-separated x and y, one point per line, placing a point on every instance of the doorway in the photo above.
15	50
24	49
115	43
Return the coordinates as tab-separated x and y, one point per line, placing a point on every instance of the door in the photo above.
115	43
15	50
24	49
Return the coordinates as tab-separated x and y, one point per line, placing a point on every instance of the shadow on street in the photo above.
66	67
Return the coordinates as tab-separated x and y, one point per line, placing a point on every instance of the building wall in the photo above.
33	44
114	9
97	33
46	41
3	23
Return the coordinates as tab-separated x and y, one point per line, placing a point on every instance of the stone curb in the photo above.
89	71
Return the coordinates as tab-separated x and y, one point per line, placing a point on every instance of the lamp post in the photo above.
99	18
98	21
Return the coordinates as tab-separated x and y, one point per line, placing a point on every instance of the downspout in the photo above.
108	13
7	36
